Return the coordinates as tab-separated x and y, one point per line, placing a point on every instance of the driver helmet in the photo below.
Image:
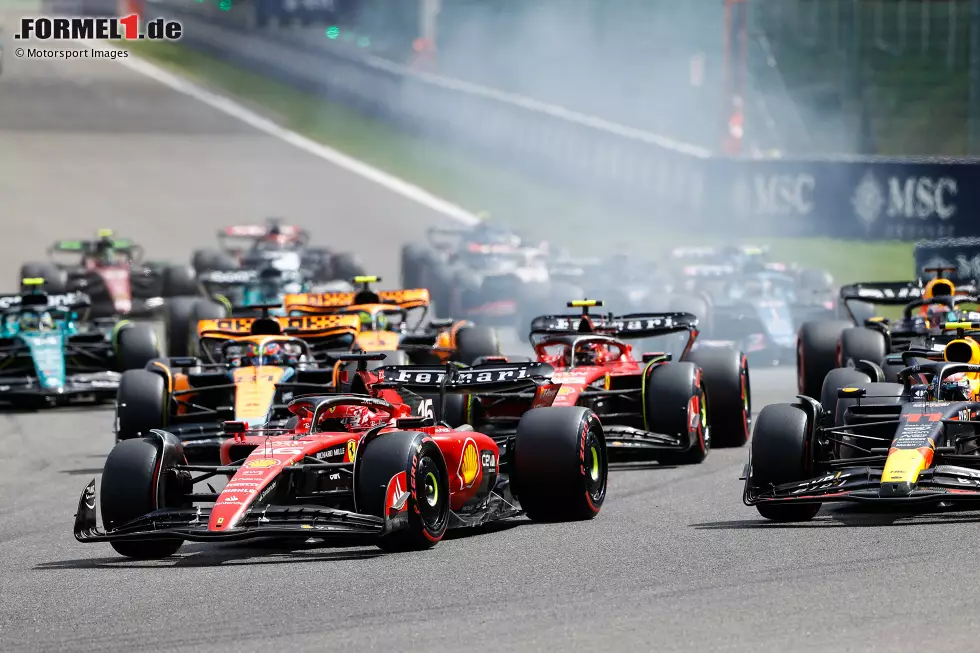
340	419
105	251
956	387
589	354
33	322
376	322
275	236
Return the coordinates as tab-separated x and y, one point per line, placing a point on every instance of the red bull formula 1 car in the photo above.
912	443
377	464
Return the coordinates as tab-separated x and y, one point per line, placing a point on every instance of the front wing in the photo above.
944	483
192	523
76	389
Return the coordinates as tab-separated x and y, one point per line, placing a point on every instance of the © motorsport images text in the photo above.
110	29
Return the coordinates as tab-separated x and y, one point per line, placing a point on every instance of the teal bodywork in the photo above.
47	346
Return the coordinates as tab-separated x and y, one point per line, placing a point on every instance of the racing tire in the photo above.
675	402
180	280
416	455
141	404
135	346
779	455
346	265
843	377
129	491
208	260
412	266
182	316
857	344
816	354
54	279
561	469
475	342
726	379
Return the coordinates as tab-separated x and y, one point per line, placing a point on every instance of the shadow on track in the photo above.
851	518
262	552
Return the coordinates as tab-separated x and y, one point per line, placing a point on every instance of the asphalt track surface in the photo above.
673	562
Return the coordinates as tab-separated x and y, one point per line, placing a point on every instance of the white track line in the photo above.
235	110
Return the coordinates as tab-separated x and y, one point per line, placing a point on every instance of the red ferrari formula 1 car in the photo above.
670	411
367	464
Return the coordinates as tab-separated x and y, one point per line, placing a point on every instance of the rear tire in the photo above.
208	260
54	279
671	393
843	377
474	342
560	464
136	345
779	455
183	314
141	404
726	378
857	344
129	492
180	280
419	458
816	354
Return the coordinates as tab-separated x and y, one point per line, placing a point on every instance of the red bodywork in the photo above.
117	282
465	453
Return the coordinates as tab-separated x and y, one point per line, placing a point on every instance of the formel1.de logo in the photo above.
112	28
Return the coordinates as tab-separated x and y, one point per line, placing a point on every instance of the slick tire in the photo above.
779	455
676	402
842	377
141	404
816	354
857	344
209	260
182	316
129	491
136	345
475	342
560	464
416	457
54	279
412	264
180	280
726	379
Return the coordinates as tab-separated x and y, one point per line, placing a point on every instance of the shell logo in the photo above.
262	462
469	464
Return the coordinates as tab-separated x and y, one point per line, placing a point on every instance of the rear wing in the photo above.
306	325
633	325
479	379
44	300
258	231
327	301
883	293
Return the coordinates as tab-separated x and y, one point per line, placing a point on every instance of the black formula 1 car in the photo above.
824	345
112	273
912	443
485	273
379	464
281	246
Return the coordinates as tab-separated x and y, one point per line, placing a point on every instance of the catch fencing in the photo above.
853	197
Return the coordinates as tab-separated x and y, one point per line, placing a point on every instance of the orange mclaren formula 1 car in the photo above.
651	407
366	465
251	368
393	322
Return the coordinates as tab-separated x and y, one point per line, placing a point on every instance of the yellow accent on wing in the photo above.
255	388
904	466
377	340
32	281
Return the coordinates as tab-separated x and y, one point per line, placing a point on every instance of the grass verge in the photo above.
582	222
